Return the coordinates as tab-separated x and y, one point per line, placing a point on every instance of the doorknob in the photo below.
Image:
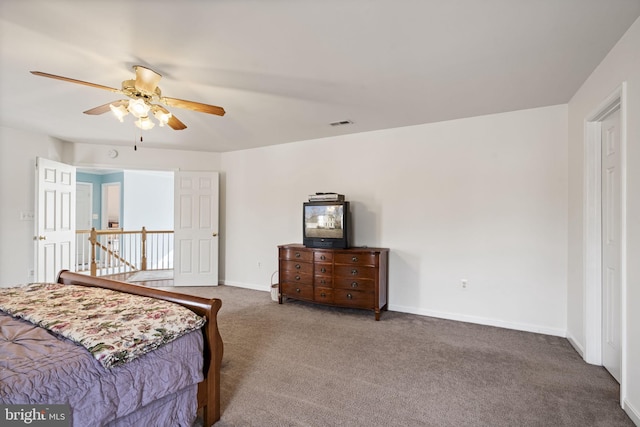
42	238
215	234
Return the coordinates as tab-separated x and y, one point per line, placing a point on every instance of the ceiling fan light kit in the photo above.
144	96
138	108
145	123
162	115
119	111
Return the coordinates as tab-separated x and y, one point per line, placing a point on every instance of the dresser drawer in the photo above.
296	254
324	270
354	271
356	299
323	294
356	284
361	258
323	256
297	290
297	266
296	277
323	281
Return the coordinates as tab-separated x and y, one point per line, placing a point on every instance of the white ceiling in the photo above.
285	69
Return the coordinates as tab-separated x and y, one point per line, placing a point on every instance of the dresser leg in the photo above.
377	310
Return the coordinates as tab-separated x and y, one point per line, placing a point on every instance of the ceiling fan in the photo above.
144	97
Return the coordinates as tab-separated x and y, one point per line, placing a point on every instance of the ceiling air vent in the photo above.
341	123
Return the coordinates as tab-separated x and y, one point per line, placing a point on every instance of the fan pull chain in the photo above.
135	147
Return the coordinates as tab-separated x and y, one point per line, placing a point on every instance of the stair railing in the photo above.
113	251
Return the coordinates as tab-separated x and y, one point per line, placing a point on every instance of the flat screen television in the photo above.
325	224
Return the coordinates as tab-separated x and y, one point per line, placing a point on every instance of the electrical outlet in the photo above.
259	264
464	283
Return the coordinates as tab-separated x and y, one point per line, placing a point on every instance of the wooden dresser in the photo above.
354	277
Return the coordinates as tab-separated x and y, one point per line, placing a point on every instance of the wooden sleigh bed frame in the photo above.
209	388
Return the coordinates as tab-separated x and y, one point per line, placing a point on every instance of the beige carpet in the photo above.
300	364
150	275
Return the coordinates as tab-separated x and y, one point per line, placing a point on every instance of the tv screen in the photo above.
325	224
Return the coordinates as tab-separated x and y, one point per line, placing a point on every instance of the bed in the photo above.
164	384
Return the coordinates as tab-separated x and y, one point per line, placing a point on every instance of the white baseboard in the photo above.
482	321
441	315
576	345
633	413
265	288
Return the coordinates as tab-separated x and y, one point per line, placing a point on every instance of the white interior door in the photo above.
196	229
55	222
84	220
611	244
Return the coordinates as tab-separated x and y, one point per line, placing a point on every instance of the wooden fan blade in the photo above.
104	108
146	79
195	106
67	79
175	123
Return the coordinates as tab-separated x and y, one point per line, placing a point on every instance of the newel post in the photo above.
93	237
144	249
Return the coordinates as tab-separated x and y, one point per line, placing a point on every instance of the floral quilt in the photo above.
115	327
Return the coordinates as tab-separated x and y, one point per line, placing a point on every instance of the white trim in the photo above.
592	233
576	345
442	315
633	413
104	218
623	244
482	321
247	286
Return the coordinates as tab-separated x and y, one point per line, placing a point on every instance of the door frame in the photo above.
104	219
592	267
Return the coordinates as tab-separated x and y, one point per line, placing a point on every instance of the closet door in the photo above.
611	245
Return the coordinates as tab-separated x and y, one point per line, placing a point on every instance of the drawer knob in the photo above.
323	295
354	284
349	296
323	270
354	272
323	282
297	266
298	290
322	257
297	254
354	259
297	277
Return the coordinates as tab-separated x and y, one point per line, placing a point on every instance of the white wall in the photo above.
18	152
148	200
482	199
621	64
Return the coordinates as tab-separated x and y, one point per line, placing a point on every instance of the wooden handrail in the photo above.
120	231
